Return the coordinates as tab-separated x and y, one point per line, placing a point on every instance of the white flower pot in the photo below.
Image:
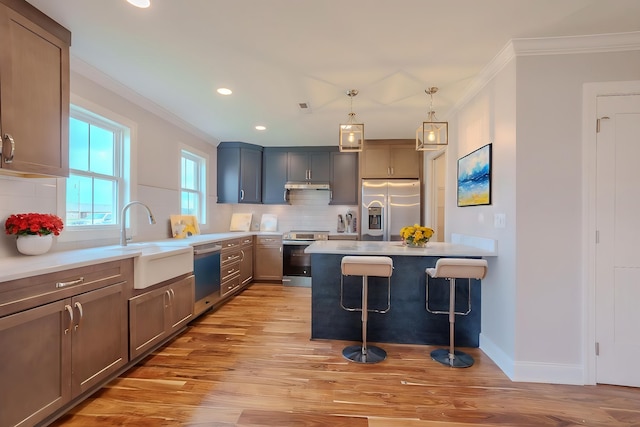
34	244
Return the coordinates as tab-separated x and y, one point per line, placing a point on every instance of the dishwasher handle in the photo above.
216	248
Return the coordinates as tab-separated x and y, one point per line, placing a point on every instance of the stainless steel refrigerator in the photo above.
387	206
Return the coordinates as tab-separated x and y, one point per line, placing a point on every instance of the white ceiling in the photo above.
275	54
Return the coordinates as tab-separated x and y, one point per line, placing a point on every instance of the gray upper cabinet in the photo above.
239	173
309	166
274	175
344	178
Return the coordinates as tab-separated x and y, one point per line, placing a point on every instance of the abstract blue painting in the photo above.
474	178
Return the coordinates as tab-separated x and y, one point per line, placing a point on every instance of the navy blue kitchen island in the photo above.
408	321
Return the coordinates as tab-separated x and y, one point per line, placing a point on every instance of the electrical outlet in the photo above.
499	220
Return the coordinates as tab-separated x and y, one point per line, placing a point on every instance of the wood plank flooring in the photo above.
252	364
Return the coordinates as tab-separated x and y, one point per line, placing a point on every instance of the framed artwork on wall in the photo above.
474	178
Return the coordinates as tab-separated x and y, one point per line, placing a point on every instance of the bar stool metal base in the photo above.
460	360
373	355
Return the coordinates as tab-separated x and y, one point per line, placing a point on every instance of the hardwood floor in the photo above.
252	364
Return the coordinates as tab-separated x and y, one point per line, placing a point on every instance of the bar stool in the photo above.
365	266
452	269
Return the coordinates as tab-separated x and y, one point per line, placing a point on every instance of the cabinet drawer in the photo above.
230	244
22	294
269	240
230	286
246	241
230	271
230	279
230	257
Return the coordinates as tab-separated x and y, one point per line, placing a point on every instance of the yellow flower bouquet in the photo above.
416	235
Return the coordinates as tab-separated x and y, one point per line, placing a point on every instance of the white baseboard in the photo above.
552	373
499	357
535	372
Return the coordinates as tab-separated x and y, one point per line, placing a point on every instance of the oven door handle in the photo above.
207	251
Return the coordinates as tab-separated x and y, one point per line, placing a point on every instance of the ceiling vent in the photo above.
304	107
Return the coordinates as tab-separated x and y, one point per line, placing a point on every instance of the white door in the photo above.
618	247
438	190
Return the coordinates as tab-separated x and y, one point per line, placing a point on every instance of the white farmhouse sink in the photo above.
157	263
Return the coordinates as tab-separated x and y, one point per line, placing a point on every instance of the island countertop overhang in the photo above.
376	248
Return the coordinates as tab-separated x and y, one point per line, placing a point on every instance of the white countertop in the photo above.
21	266
353	247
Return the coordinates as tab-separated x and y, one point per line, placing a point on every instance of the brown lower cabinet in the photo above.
157	314
63	335
53	353
246	260
268	258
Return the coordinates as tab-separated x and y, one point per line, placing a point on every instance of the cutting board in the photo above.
269	222
240	222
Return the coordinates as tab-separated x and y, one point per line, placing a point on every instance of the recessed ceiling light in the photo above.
224	91
260	127
140	3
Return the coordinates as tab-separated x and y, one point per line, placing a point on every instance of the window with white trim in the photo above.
193	188
95	189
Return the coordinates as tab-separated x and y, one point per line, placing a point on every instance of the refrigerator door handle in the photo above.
387	218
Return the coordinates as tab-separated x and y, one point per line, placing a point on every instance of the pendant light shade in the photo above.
432	135
351	133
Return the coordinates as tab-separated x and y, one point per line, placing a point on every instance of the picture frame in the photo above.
183	226
474	177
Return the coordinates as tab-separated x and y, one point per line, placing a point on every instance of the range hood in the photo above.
292	185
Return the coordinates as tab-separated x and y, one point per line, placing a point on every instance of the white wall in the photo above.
490	117
157	172
549	170
532	319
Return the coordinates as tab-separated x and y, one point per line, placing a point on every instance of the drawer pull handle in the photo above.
70	311
80	314
71	283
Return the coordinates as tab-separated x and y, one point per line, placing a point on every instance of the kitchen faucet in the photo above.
123	229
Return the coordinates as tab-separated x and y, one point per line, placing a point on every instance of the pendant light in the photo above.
351	133
432	135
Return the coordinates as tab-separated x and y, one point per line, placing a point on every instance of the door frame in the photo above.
430	186
590	93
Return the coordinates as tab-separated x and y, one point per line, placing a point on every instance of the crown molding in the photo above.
95	75
596	43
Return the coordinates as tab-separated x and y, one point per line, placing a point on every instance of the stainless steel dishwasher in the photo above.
206	267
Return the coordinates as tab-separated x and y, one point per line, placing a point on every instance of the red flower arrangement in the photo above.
33	224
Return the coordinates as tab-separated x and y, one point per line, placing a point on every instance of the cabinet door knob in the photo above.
241	194
9	158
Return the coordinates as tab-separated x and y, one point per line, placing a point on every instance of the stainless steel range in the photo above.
296	264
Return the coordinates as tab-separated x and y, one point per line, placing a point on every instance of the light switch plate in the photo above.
499	220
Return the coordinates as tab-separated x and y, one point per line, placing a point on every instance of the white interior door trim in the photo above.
590	92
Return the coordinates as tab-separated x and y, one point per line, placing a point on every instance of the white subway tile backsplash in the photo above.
18	195
308	210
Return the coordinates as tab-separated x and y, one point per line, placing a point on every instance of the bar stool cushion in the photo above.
459	268
379	266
